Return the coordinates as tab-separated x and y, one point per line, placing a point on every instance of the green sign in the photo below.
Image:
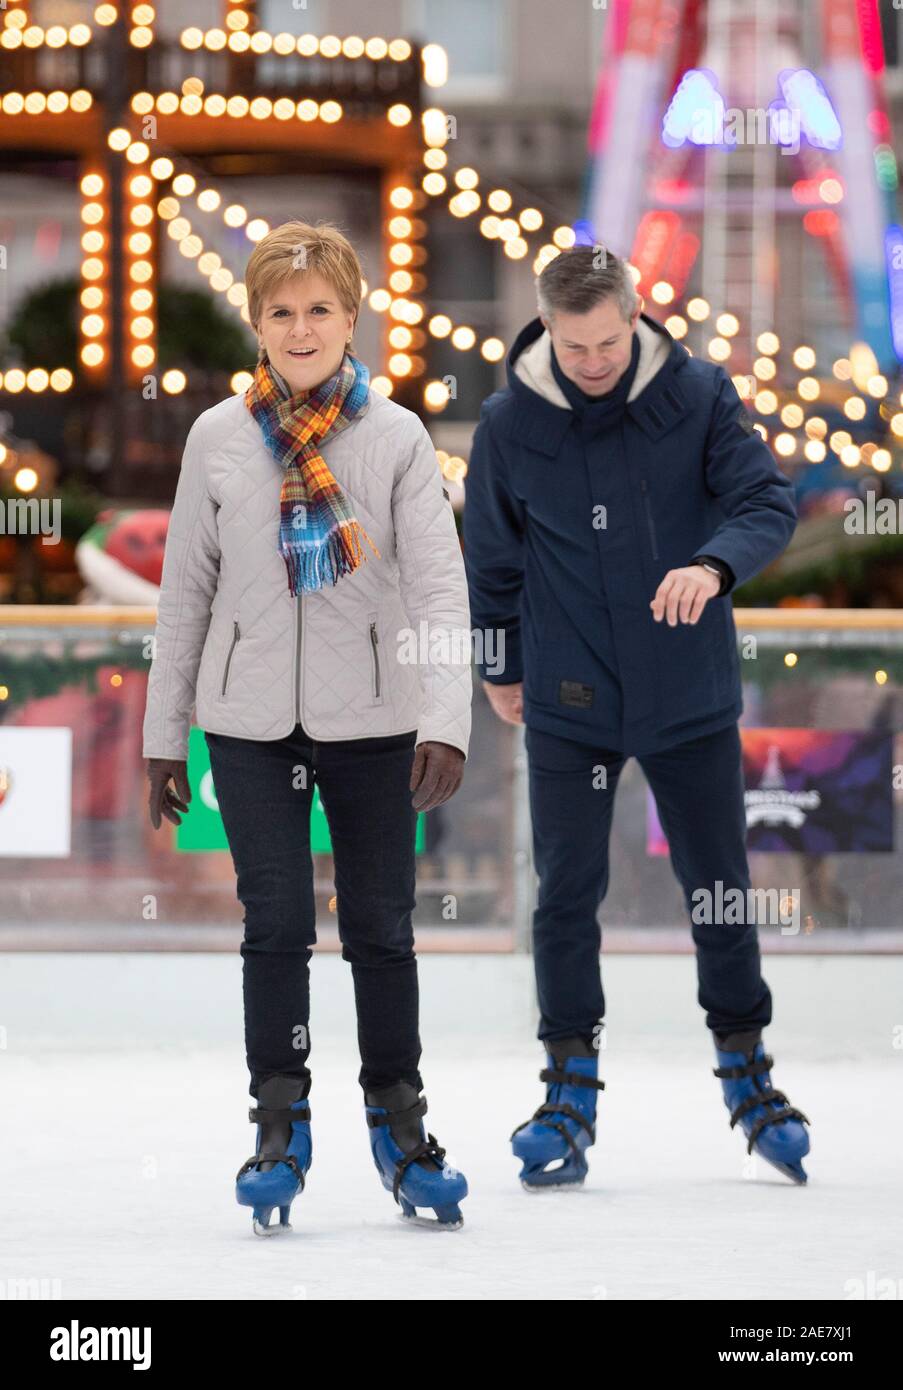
203	830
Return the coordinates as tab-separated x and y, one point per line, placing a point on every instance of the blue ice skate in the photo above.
562	1129
274	1175
773	1127
411	1165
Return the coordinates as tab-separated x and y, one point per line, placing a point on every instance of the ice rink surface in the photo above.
125	1097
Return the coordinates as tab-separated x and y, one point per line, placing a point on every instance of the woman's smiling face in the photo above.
305	330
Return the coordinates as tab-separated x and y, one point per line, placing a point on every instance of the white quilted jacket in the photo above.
234	648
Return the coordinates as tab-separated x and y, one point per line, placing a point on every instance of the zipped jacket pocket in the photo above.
236	634
376	673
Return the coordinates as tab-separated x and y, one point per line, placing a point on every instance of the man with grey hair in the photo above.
617	491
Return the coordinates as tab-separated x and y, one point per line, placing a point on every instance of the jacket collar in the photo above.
656	401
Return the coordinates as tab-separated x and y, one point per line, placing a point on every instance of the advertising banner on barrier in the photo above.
811	791
35	793
202	828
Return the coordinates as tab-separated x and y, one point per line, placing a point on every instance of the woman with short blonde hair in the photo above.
310	532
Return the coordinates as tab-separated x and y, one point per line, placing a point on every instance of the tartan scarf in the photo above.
319	536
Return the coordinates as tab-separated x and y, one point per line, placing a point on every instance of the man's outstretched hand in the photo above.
436	774
683	594
164	801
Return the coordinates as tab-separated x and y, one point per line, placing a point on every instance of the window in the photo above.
476	36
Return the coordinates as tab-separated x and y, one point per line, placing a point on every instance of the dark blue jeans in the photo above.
265	790
698	789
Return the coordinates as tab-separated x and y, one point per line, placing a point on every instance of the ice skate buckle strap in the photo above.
769	1117
391	1116
571	1078
429	1149
750	1069
258	1114
551	1108
272	1158
764	1097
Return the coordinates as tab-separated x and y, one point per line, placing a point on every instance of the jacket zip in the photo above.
649	518
298	601
235	636
374	645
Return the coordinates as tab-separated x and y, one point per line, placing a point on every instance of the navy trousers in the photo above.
265	790
698	789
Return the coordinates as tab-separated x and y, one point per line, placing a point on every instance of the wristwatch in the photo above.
709	563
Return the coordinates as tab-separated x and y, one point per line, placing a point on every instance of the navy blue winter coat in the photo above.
571	523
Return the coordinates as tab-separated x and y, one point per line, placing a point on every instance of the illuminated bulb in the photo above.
37	379
143	355
662	292
676	326
119	139
241	381
463	338
435	64
92	354
162	169
256	229
698	310
235	215
183	185
493	349
768	343
141	300
804	358
435	395
174	382
60	379
91	185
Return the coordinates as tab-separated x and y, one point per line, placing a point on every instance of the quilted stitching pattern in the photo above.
222	564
